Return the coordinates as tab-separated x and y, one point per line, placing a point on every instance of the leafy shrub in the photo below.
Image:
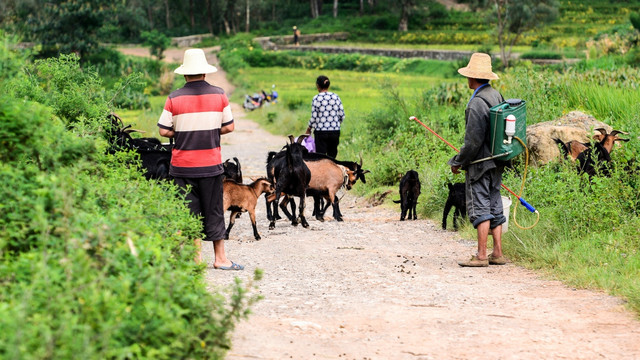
157	42
74	94
96	262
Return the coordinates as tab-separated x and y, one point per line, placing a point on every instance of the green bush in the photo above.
96	262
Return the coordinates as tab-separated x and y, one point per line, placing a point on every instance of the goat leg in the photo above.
283	206
445	213
232	220
252	215
303	221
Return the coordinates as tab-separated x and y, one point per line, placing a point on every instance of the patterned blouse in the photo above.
327	112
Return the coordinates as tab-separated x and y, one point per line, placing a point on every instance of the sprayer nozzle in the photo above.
412	118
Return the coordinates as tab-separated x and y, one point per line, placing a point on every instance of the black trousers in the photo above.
205	199
327	142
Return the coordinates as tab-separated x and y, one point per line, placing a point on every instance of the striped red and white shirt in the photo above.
196	112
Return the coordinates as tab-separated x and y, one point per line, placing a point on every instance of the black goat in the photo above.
409	192
598	157
233	171
290	176
327	176
456	199
155	156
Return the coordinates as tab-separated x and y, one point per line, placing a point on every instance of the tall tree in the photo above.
71	26
514	17
335	8
406	7
315	8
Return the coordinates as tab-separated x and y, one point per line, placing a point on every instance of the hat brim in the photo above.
466	72
204	69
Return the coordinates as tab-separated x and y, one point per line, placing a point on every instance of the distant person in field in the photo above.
296	36
195	116
482	179
327	114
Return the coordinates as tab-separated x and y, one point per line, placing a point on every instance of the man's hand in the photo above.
455	169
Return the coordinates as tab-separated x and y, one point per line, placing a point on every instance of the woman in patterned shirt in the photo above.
327	114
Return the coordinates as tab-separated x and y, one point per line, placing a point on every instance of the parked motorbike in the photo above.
252	102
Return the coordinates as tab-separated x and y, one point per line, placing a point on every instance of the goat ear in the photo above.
619	139
366	172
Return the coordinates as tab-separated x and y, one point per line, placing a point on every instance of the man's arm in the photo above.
227	128
166	132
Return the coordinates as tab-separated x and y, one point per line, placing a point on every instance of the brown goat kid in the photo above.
240	198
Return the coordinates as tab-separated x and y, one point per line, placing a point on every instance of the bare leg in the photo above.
483	234
496	233
220	255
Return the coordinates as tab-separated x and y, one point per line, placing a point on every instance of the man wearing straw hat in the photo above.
482	179
195	116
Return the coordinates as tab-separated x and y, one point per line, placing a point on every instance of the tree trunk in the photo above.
209	16
314	9
192	18
167	14
361	7
372	4
502	21
248	19
335	9
404	17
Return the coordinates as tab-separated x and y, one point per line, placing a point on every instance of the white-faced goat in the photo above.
593	159
291	176
240	198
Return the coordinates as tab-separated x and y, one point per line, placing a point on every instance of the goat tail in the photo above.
397	201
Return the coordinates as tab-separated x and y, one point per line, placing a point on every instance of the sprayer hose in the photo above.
524	179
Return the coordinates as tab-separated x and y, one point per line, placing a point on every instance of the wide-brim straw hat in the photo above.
195	63
479	67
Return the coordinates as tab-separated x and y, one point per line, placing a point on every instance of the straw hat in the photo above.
479	68
195	63
295	27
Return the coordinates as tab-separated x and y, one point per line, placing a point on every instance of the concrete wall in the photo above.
187	41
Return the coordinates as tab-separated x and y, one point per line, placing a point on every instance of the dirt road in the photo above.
373	287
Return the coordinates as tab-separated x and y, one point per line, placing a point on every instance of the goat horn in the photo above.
602	130
301	138
360	155
291	138
616	132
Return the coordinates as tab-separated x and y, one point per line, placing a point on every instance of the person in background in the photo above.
296	36
482	179
327	114
195	116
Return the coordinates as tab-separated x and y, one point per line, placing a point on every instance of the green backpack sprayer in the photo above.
508	128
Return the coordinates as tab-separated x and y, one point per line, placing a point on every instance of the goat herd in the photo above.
291	172
295	172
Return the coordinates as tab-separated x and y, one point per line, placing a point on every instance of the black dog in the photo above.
457	199
409	192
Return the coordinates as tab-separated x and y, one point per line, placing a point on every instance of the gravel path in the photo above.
373	287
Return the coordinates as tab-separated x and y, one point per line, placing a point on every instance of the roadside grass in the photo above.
587	234
360	93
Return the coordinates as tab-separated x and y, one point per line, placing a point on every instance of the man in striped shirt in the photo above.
195	116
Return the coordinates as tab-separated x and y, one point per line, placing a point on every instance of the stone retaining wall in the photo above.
187	41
